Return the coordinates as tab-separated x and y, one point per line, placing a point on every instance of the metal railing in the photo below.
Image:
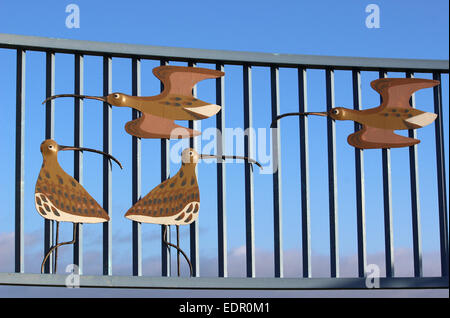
302	63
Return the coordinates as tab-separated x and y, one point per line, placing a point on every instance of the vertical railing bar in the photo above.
221	177
136	170
440	163
193	227
107	168
78	155
276	159
387	199
19	164
165	172
359	180
49	134
49	91
249	197
415	202
304	172
332	178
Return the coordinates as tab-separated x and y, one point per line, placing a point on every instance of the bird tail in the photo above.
421	120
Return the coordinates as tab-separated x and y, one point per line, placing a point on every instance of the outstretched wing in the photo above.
151	126
180	80
377	138
396	92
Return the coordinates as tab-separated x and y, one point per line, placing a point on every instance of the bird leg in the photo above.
178	252
58	245
177	248
55	264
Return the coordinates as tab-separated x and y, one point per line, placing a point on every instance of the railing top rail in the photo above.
218	56
256	283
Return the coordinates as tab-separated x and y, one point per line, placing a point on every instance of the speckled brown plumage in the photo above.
60	197
175	201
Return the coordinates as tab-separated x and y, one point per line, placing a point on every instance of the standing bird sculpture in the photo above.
60	198
176	201
379	123
175	102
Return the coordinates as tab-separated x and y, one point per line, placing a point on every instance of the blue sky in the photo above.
408	29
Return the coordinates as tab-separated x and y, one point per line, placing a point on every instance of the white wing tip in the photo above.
422	120
204	111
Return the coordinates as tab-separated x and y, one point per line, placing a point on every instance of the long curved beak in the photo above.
101	98
63	148
250	160
297	114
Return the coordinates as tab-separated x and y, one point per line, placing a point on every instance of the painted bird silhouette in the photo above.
175	102
176	201
59	197
379	123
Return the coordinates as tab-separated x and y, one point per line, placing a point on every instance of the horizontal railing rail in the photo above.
219	59
213	56
228	283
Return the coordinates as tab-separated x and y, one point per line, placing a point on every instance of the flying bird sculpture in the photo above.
175	102
379	123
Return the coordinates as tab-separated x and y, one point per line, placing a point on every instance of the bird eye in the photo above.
50	147
116	96
190	153
335	111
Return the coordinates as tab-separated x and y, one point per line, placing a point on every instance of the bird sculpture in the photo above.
60	198
379	123
176	201
175	102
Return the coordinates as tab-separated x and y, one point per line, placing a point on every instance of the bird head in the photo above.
50	148
338	113
118	99
189	155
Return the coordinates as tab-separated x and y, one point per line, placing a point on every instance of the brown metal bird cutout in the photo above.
176	201
175	102
379	123
60	198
